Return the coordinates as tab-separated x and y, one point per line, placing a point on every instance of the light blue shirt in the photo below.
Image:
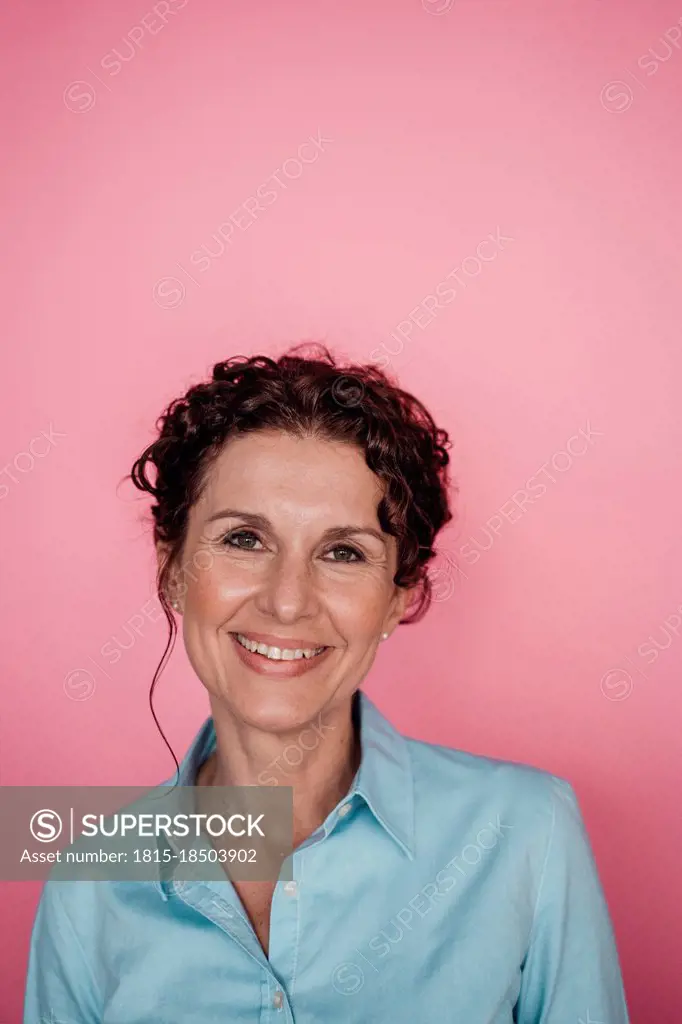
444	887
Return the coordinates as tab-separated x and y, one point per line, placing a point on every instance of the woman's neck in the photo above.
319	761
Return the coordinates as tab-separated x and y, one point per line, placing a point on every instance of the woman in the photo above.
429	884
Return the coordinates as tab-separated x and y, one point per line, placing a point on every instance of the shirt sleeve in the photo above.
60	987
571	973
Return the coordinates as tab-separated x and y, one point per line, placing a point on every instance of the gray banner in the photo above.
127	833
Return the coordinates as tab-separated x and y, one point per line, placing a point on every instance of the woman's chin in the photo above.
276	712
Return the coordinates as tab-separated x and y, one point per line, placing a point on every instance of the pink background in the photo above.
554	124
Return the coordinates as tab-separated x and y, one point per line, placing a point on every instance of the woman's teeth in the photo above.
277	653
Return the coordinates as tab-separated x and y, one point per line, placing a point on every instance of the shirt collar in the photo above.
384	779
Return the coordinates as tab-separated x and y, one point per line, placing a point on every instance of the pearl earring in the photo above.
384	636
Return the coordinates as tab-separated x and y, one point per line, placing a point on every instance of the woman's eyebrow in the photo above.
235	513
336	532
263	523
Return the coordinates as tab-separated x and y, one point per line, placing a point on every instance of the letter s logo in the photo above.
46	826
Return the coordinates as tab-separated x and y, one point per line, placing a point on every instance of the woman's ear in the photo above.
163	553
402	599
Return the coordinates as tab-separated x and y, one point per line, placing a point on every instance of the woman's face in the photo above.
284	548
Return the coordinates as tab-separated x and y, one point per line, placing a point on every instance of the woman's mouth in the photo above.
269	659
278	653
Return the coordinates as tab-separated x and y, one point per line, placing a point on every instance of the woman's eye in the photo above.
238	535
348	550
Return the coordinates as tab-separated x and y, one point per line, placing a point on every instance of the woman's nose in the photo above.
288	589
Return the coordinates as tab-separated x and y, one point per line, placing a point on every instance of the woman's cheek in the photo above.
360	609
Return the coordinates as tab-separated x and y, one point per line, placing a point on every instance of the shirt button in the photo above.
290	888
278	1000
344	810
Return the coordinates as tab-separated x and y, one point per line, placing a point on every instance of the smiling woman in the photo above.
426	882
295	497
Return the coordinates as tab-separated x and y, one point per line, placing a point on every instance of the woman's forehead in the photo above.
287	478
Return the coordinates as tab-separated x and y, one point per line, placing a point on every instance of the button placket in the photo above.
284	939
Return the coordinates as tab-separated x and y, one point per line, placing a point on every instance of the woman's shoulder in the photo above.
102	867
515	788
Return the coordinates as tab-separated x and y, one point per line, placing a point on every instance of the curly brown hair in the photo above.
303	395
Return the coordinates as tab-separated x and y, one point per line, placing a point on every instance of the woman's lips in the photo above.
285	669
